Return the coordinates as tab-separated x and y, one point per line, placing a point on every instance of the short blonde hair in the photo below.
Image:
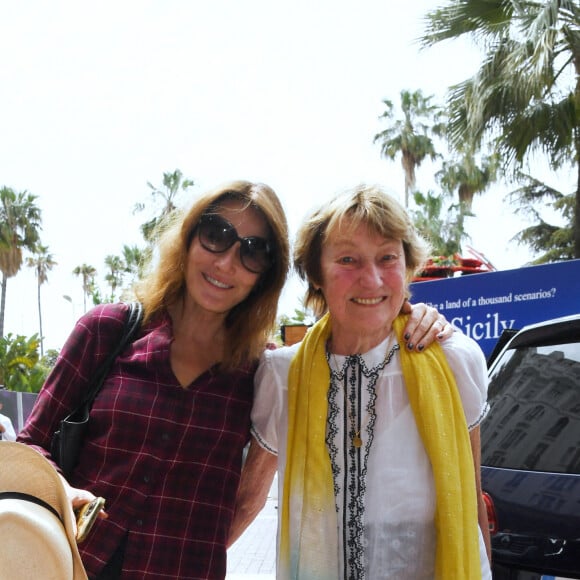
364	204
250	323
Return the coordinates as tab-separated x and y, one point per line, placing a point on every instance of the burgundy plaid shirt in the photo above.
166	459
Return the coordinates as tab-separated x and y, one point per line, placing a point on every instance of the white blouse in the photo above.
384	489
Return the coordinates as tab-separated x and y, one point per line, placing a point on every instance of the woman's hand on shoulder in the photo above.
425	325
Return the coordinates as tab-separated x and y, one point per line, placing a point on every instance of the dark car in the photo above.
531	453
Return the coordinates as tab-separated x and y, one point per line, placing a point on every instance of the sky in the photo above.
100	98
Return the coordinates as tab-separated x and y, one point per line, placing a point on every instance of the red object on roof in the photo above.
439	267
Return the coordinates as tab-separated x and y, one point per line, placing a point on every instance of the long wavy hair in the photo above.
364	204
249	323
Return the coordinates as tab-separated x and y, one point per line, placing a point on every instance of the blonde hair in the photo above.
249	323
364	204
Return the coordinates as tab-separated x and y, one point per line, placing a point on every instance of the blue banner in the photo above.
483	305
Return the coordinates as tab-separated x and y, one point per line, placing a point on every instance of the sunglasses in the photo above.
216	235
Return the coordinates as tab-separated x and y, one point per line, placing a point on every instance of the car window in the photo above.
534	418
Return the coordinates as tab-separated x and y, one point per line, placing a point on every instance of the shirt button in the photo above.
146	479
165	436
139	523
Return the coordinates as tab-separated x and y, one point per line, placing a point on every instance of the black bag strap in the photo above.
131	326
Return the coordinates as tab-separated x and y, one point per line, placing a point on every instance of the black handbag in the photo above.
68	439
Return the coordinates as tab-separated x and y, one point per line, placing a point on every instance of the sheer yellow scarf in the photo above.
308	534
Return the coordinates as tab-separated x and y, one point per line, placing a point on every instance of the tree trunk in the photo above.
576	134
408	162
2	304
577	216
40	324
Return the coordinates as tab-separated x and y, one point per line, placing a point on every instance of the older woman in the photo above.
377	445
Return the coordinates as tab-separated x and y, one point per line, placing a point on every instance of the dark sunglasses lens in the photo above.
216	235
255	254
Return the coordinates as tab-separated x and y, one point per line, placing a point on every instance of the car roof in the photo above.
552	331
560	320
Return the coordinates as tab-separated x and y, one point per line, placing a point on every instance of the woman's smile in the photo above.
368	301
216	283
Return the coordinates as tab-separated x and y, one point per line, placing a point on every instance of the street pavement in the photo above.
253	556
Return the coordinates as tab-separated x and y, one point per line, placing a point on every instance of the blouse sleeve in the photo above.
468	364
271	385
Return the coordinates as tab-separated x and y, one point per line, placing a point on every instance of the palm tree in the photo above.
173	183
134	259
468	175
42	262
553	243
19	368
20	224
88	274
443	227
526	94
115	276
411	135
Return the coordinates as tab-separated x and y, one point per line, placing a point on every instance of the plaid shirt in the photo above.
166	459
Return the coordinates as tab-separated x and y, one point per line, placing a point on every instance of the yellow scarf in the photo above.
308	535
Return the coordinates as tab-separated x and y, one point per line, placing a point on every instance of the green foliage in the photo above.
42	261
300	316
134	259
443	227
119	268
35	379
123	271
114	276
97	297
468	174
20	224
49	359
525	97
19	368
87	274
554	243
173	183
411	136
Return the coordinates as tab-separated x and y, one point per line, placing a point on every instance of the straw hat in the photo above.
37	537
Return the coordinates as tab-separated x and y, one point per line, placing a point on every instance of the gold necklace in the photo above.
356	439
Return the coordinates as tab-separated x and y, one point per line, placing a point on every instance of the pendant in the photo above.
357	441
